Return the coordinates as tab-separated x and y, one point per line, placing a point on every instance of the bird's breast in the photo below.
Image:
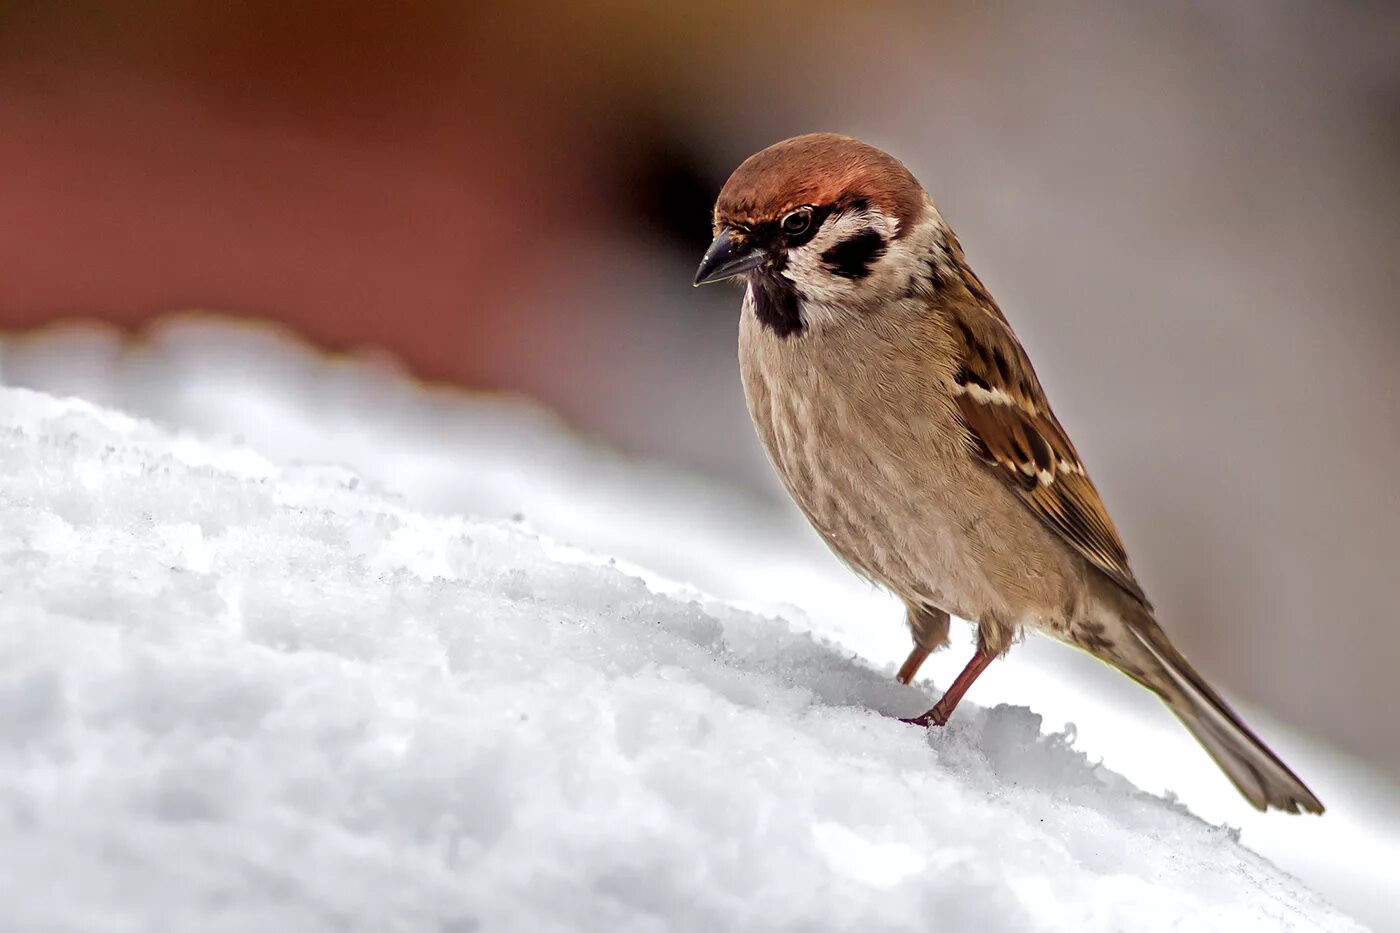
863	437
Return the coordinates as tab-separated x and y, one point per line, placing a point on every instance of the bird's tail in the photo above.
1261	777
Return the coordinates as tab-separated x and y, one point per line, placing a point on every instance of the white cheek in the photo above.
805	266
816	282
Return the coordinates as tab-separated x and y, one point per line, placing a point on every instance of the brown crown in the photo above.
818	169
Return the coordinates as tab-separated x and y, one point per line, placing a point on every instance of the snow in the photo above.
257	690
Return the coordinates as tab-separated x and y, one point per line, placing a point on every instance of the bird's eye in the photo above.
797	222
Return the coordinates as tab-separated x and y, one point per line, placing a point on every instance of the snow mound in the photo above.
236	696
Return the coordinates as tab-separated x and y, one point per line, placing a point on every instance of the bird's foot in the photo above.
934	717
938	716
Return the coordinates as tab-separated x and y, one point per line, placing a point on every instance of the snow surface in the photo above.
242	695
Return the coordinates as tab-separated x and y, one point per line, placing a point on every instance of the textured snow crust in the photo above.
238	695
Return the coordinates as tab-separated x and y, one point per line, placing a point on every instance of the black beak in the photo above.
727	257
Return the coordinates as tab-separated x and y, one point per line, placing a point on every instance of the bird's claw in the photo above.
934	717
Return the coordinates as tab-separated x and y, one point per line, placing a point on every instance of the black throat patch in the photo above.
776	303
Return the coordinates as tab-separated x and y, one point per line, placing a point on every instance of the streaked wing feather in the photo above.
1012	429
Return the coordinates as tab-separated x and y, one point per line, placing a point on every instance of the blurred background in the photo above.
1190	211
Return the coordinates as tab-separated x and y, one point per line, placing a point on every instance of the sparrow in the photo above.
904	418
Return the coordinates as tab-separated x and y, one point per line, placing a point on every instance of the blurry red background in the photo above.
366	175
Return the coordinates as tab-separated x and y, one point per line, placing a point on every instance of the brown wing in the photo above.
1012	429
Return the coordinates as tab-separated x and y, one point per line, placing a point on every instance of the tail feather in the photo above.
1261	777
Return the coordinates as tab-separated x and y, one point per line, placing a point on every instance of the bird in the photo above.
903	417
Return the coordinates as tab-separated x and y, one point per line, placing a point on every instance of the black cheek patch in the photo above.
851	259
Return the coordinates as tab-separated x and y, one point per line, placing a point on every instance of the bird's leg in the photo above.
929	627
912	664
944	707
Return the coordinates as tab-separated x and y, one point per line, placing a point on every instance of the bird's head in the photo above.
819	219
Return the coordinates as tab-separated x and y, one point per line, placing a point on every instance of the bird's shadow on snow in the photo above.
998	748
620	627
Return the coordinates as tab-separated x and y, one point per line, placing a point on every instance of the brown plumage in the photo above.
905	420
821	168
1012	429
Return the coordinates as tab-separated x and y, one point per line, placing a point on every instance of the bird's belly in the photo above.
894	515
895	495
